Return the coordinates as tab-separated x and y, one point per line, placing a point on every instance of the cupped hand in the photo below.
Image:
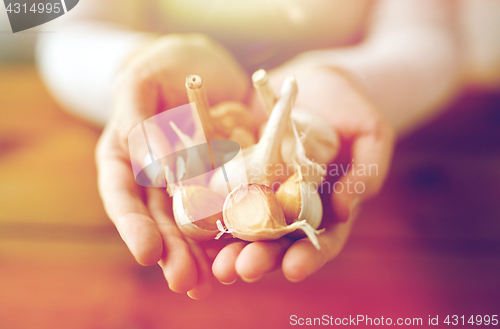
366	142
151	81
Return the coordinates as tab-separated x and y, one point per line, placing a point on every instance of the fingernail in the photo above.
228	283
251	280
191	296
293	280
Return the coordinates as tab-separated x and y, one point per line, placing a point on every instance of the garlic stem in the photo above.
264	92
266	153
197	94
321	144
268	149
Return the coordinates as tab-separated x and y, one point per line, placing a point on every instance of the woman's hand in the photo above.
152	81
366	139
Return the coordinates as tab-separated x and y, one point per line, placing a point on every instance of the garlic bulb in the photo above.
252	213
320	140
263	160
196	211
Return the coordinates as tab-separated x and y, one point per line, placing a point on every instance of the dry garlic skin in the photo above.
203	207
196	211
290	198
253	208
300	200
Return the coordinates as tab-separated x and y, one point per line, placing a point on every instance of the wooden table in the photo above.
428	245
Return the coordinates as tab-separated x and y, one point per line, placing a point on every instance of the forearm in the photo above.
409	65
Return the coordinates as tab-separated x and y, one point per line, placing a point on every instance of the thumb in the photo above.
137	101
136	98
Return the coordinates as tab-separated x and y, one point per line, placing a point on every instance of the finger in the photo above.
258	258
177	261
136	98
123	204
371	155
213	248
224	265
205	283
303	259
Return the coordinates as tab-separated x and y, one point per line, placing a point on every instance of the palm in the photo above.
152	80
143	217
368	140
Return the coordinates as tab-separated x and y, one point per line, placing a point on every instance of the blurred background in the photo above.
428	245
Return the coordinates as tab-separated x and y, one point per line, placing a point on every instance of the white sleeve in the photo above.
78	63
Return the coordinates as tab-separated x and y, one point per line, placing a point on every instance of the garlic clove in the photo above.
300	201
253	208
267	152
196	211
313	171
312	208
320	141
252	213
290	199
